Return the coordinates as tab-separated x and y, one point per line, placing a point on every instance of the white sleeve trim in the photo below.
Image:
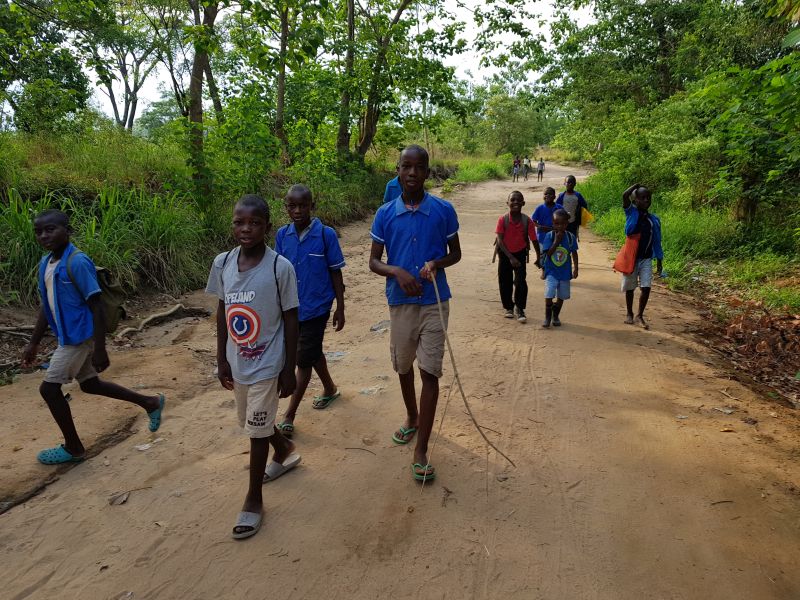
376	238
452	234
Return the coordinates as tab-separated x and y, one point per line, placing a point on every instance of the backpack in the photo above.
506	220
112	296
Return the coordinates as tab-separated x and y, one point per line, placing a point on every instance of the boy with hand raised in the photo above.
419	233
72	308
560	249
314	251
514	234
639	220
256	346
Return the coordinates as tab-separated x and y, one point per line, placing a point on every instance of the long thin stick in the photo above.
458	378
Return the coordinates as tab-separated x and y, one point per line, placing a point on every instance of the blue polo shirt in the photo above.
632	217
543	215
392	191
72	320
411	238
313	254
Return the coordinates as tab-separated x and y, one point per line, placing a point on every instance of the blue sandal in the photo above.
427	474
287	429
155	416
57	456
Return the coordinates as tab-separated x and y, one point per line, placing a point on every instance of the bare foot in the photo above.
641	322
281	455
629	320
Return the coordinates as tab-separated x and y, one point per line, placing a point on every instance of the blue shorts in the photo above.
555	288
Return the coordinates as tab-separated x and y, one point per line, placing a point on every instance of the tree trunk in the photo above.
343	137
369	121
280	102
214	93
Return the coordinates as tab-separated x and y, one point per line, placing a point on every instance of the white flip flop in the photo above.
247	519
276	469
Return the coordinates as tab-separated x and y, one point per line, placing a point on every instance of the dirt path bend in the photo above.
626	487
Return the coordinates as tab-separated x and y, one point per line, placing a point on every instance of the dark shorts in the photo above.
309	343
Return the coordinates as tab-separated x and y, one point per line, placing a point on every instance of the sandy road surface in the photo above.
613	496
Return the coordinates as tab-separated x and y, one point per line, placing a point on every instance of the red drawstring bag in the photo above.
625	262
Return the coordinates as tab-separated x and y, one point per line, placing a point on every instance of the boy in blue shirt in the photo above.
639	220
392	191
542	217
313	249
256	346
560	258
71	307
420	235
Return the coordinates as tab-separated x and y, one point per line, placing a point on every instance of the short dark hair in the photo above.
571	178
561	213
255	202
549	190
417	149
643	191
58	216
302	190
516	193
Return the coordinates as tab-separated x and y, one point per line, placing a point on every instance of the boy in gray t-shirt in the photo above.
256	345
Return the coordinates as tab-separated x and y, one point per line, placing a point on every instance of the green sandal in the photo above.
428	473
406	435
287	429
321	402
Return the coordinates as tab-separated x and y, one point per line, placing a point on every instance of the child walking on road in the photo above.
560	249
419	233
540	169
542	217
256	346
572	201
313	249
72	308
514	234
639	220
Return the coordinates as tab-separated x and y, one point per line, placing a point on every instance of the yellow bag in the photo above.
586	216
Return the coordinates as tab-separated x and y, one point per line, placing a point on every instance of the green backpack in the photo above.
112	297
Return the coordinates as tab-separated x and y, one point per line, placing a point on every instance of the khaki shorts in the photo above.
71	362
416	332
257	406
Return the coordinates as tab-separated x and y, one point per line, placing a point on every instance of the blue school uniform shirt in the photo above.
632	226
559	265
412	237
71	318
392	191
313	254
543	215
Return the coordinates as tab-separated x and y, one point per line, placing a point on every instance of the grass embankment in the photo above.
132	207
708	251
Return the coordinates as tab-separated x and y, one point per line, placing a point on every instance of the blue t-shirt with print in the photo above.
559	265
543	215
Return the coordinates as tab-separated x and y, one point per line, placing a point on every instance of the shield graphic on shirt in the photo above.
560	256
244	324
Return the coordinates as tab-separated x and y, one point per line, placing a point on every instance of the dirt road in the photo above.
626	487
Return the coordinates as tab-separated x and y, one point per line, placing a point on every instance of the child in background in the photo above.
313	249
526	167
542	217
514	234
572	201
515	169
72	308
540	169
639	220
560	250
256	346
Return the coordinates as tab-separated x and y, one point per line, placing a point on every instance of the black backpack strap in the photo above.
277	285
225	260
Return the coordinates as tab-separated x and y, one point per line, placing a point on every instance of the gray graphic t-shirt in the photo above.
570	202
255	348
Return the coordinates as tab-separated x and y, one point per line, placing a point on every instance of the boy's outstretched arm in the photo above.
407	282
448	260
224	373
626	195
100	359
29	353
287	381
338	289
